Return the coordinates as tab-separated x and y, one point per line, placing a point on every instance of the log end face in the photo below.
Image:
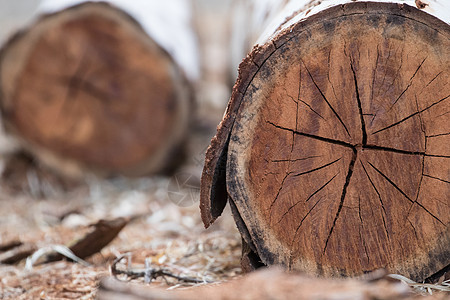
86	100
335	157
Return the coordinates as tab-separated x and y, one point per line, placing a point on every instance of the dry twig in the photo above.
150	273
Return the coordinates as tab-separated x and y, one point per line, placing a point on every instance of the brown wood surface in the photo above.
336	144
88	88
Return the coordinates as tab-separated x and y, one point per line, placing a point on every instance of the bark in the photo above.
86	88
333	150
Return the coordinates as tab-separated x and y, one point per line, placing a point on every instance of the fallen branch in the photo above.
266	283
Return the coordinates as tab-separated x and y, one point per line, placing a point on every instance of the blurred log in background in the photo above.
88	88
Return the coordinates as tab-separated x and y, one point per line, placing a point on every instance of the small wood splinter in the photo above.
420	4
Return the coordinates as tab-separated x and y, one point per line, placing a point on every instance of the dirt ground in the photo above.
160	231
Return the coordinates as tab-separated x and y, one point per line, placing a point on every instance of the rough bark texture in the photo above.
334	148
87	89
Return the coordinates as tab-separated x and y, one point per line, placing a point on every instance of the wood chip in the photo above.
8	245
104	232
16	254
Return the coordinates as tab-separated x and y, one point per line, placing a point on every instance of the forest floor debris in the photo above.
160	233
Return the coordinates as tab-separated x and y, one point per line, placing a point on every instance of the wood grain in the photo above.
337	160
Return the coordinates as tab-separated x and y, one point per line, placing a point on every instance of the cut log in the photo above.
333	152
87	89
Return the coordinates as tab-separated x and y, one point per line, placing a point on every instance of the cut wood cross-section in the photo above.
334	151
87	89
